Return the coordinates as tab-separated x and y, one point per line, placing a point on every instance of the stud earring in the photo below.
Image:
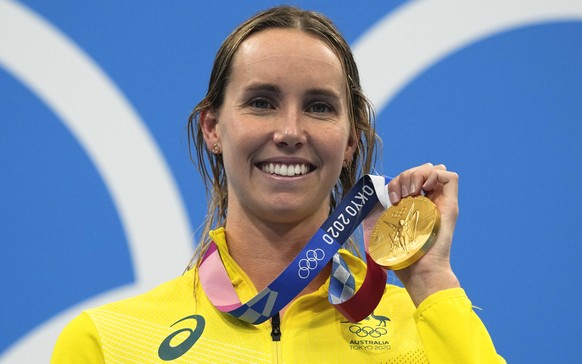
216	149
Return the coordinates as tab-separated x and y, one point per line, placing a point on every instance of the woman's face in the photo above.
283	127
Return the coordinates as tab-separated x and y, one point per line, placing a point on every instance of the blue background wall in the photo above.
504	111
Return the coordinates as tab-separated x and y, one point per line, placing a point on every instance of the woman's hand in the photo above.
433	271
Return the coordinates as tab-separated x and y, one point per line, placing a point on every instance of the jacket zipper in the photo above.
276	327
276	336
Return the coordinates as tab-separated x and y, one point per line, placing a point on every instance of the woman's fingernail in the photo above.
404	191
393	197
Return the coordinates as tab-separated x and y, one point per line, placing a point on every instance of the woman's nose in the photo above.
289	131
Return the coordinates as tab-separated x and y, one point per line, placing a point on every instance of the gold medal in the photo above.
404	232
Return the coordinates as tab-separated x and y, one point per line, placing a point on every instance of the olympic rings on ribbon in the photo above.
364	331
310	262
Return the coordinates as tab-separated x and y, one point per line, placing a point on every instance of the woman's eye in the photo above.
320	108
260	104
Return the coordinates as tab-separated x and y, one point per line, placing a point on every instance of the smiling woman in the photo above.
284	105
280	138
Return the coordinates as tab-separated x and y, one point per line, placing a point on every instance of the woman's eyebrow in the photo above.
271	88
329	93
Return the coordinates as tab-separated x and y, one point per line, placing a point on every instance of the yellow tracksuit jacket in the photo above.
176	323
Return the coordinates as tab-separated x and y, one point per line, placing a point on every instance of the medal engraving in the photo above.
404	232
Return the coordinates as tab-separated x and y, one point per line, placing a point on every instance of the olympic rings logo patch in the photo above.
310	262
365	331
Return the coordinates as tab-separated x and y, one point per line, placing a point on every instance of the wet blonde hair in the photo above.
360	112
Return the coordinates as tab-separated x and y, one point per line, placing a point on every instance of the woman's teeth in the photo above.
287	170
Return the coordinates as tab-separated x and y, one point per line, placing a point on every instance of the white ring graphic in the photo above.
390	55
121	148
411	39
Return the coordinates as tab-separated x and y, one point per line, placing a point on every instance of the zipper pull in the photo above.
276	327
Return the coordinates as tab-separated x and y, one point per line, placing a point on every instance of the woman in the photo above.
285	130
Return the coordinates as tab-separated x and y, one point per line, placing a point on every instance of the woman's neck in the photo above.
264	250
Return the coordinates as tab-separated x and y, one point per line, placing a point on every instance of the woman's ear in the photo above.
351	147
208	121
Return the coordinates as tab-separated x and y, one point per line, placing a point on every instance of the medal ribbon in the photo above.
319	250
